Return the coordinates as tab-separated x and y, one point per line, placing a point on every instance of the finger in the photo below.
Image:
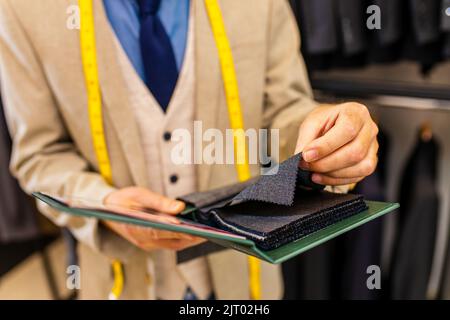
330	181
150	234
348	155
151	200
309	131
167	235
345	130
188	244
362	169
177	244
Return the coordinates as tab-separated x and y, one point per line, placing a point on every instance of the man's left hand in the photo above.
339	144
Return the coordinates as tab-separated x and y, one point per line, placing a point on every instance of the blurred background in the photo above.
402	72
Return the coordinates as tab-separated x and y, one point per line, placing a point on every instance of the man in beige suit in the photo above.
46	105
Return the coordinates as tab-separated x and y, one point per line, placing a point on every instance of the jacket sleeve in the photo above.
43	157
288	95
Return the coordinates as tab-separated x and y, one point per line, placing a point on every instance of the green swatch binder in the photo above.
279	255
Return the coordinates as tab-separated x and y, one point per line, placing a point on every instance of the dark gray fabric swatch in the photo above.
279	188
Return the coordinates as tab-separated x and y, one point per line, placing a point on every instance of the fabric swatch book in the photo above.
274	217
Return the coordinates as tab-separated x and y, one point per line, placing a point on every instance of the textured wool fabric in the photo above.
279	188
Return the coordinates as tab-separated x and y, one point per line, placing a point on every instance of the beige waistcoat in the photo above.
171	281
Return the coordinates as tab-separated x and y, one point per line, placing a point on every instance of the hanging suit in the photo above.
361	248
424	44
319	25
387	43
18	214
445	26
352	26
417	219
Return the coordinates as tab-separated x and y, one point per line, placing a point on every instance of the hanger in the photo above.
426	133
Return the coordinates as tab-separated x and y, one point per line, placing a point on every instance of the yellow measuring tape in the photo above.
89	57
236	119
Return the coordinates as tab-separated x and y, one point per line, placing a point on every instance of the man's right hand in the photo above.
146	238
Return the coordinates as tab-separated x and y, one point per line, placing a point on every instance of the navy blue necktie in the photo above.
158	57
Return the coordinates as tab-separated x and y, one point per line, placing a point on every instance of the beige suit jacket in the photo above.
45	100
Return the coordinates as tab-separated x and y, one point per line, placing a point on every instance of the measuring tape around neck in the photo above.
90	68
236	120
89	59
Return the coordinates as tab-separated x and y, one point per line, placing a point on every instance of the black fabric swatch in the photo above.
202	200
271	225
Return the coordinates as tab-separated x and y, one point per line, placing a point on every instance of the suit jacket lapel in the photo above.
208	83
115	97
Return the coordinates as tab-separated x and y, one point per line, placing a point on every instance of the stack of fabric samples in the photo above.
275	209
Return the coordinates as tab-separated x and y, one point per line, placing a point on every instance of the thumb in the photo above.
151	200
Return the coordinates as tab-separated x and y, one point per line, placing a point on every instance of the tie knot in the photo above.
149	7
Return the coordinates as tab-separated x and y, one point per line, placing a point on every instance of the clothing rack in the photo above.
340	86
393	94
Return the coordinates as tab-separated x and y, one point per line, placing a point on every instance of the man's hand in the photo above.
339	144
146	238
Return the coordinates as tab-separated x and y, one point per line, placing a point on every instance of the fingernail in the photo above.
304	165
310	155
177	205
316	178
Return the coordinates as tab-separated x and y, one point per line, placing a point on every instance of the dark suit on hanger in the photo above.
353	26
18	217
387	43
424	43
425	17
362	247
391	21
417	219
445	26
319	24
